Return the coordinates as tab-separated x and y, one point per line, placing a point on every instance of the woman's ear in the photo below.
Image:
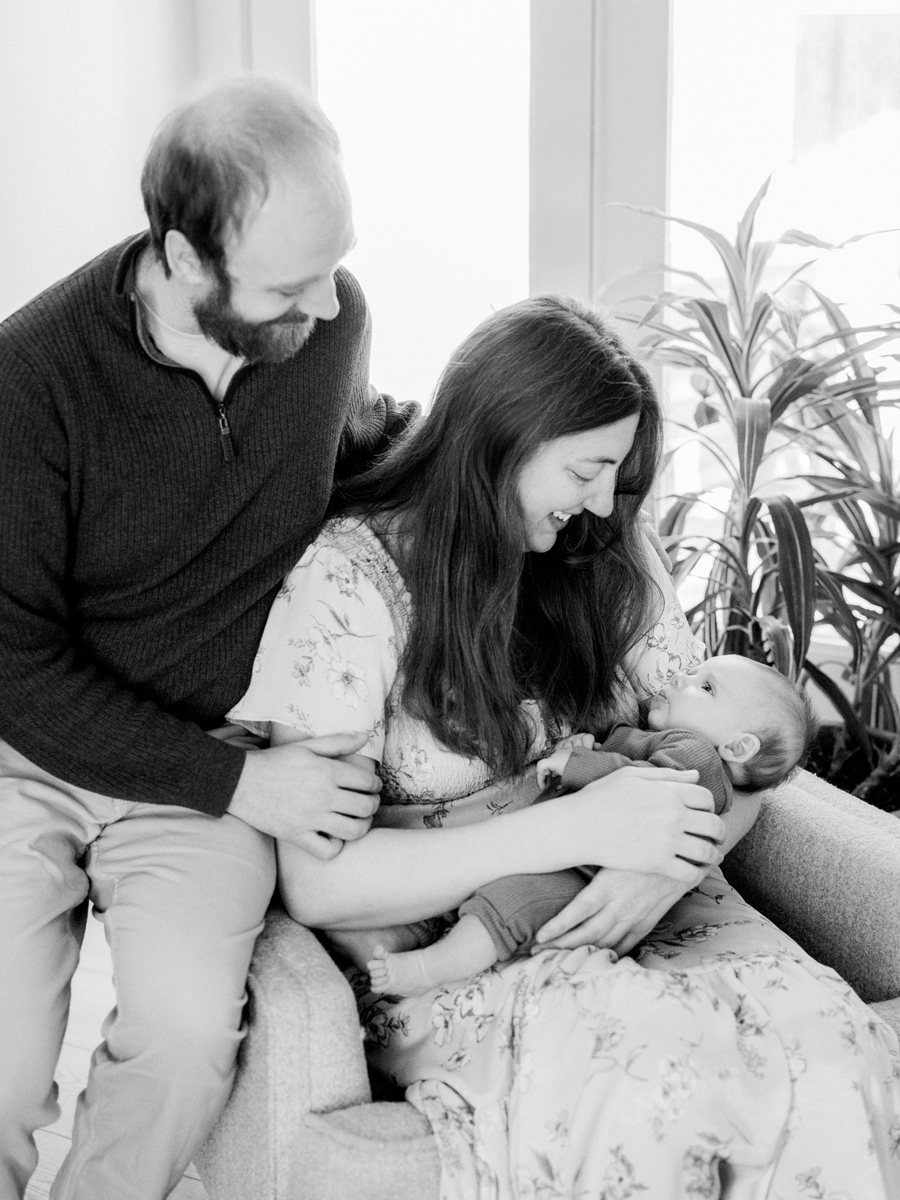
741	749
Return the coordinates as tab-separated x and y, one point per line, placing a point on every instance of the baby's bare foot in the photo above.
359	945
401	974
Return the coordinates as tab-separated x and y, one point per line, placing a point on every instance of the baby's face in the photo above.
721	699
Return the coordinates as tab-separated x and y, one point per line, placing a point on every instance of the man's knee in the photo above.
186	1029
28	1095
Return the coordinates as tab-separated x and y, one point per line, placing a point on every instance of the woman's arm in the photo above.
619	908
641	818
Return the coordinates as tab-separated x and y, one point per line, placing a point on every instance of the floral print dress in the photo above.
719	1060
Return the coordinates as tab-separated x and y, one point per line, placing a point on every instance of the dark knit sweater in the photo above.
137	565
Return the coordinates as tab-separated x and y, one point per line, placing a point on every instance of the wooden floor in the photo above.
92	998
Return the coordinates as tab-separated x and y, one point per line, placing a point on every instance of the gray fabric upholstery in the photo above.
826	868
300	1124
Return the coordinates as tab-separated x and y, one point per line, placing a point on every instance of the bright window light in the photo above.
431	103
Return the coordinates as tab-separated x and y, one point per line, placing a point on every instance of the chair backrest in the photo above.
825	867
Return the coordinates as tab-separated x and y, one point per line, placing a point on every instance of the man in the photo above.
171	419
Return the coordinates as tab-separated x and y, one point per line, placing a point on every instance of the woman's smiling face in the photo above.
571	474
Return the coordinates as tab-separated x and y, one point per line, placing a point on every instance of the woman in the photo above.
488	590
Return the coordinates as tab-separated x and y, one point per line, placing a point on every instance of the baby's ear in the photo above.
741	749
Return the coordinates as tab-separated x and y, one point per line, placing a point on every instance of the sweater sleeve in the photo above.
58	706
374	421
679	749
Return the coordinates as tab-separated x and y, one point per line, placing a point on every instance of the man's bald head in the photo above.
211	162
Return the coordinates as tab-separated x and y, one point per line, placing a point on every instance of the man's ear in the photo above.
183	260
740	749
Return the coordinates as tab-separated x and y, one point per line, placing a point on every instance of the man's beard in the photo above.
265	341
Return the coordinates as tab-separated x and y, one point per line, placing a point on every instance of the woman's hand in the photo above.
617	909
647	819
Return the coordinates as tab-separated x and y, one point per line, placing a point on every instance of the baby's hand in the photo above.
585	740
555	764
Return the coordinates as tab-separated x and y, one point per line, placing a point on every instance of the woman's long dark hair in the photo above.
493	625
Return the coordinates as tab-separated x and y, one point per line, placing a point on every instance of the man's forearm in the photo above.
86	729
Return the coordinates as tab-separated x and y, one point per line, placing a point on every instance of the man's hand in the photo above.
237	735
306	794
617	909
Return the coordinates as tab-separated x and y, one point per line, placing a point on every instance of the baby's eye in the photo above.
706	686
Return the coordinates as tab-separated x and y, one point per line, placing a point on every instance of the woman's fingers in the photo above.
581	909
705	827
596	931
700	851
685	871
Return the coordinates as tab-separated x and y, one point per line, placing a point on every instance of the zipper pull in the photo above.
225	433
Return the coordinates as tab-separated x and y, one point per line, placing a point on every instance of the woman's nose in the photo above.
602	499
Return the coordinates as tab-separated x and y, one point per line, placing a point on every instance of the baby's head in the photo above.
760	723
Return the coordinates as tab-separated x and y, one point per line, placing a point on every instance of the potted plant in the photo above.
777	369
860	589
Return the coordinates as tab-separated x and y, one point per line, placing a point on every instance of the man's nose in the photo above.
320	300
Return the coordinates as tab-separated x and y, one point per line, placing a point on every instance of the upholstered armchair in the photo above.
301	1123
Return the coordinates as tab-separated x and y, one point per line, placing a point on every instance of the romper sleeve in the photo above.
681	749
328	655
669	645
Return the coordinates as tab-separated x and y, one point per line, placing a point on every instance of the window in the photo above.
806	91
809	92
431	103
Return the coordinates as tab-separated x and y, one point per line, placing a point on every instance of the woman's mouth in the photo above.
560	519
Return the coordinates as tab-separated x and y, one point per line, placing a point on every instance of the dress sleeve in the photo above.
328	656
669	645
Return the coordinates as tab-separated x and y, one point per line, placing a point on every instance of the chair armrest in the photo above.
300	1124
825	867
302	1053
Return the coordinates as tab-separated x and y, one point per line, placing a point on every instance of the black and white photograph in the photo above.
450	600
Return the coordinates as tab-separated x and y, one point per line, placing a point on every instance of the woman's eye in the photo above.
581	478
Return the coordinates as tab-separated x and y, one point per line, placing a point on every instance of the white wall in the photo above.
82	87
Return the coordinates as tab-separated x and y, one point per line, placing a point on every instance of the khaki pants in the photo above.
182	897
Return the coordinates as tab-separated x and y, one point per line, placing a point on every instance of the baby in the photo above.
737	722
